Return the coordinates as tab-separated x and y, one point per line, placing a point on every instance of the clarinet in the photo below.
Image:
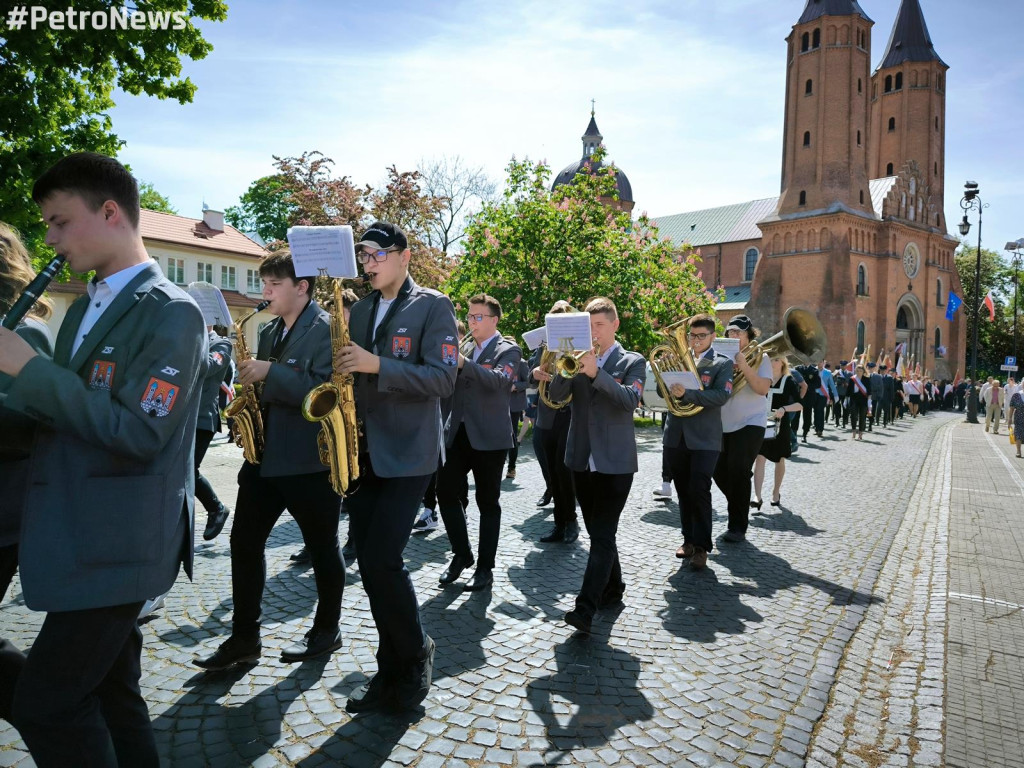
32	293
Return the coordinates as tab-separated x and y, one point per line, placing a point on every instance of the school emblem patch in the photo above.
449	354
401	346
511	371
638	387
102	376
158	398
218	358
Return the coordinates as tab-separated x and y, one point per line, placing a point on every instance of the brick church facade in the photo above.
858	233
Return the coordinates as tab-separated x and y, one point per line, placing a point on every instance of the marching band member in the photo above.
479	436
551	435
601	452
743	425
696	441
404	354
293	356
108	516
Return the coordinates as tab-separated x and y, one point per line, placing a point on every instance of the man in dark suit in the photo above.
108	517
601	452
404	354
696	441
478	439
293	356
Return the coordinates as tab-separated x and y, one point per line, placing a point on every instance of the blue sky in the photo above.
689	95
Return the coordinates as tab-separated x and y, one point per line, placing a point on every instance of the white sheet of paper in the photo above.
319	249
687	379
534	338
211	303
574	326
728	347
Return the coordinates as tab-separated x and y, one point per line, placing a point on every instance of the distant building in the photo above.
591	141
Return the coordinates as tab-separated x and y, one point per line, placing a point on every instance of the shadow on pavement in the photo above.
784	520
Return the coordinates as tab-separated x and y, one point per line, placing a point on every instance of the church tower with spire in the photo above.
908	113
824	155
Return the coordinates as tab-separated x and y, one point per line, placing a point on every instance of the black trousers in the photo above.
858	414
602	498
316	508
77	700
513	452
837	410
8	567
486	467
538	450
691	473
430	495
814	407
734	471
560	477
381	514
205	494
12	661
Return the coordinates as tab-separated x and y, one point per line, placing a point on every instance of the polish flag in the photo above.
988	302
956	379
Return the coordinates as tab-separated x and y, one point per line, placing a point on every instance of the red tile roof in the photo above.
181	230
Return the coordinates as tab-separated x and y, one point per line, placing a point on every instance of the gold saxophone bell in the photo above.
244	411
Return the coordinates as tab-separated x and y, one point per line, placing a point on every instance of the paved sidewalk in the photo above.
731	666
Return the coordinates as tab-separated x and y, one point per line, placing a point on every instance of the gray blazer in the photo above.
16	433
703	431
108	517
419	356
602	414
517	401
303	361
217	362
482	393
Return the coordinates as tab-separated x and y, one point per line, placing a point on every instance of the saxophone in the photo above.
244	410
333	405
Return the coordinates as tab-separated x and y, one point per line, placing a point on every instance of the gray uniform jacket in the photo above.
482	393
16	433
602	414
217	362
419	356
703	431
108	518
876	387
302	362
517	402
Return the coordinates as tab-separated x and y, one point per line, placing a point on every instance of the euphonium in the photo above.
333	404
244	410
547	360
801	337
675	356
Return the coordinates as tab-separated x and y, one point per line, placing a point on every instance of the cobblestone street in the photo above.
819	641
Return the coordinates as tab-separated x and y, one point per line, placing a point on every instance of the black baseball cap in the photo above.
740	323
384	235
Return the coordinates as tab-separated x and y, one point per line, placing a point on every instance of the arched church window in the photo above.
938	292
862	197
901	319
809	87
860	85
860	336
888	169
803	197
805	42
750	263
816	40
888	83
858	138
938	343
936	122
899	80
892	124
862	282
807	138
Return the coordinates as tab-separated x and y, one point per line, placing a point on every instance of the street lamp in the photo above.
971	201
1015	247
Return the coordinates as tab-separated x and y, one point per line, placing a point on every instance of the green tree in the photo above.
152	200
56	88
995	339
533	247
263	209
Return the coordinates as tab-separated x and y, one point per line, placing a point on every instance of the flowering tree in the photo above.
533	247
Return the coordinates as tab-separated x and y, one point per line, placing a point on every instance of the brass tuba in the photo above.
244	410
801	337
675	355
333	404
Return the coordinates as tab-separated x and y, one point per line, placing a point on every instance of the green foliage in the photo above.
995	339
534	247
152	200
56	88
264	209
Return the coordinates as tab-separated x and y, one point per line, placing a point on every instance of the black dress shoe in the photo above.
318	642
734	537
302	556
572	532
544	500
455	569
349	552
482	579
555	534
412	687
234	650
215	522
378	693
578	620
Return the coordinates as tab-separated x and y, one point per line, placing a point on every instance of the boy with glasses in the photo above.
479	436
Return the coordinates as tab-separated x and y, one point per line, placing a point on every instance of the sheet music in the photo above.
574	326
211	303
534	338
316	249
686	378
728	347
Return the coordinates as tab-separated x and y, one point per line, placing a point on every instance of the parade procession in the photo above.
428	473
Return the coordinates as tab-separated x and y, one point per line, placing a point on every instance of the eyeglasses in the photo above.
478	318
377	256
697	336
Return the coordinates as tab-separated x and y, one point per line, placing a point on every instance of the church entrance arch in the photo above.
910	327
